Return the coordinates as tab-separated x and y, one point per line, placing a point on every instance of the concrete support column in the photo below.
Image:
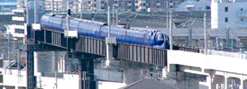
86	74
164	72
241	86
225	80
209	81
30	69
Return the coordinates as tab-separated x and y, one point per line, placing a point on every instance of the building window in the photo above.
241	9
207	7
19	31
226	19
226	9
242	19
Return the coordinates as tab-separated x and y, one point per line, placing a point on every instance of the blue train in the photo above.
100	30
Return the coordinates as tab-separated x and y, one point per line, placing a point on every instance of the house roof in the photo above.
149	84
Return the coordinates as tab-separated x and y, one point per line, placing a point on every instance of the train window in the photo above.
160	37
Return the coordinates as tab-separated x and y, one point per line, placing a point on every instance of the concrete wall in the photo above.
10	78
221	71
44	61
69	81
214	15
105	85
108	75
188	84
207	61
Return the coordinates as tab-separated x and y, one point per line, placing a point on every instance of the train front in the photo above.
161	40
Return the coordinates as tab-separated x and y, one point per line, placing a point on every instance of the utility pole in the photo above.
167	16
76	5
109	20
227	35
8	47
35	12
171	33
56	79
68	28
26	7
205	31
84	73
107	46
52	7
57	7
113	15
18	68
81	10
109	40
190	34
217	43
116	17
189	37
232	44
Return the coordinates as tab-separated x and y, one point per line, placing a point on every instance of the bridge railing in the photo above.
142	54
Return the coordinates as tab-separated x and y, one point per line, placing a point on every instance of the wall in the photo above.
198	5
207	61
44	61
218	14
105	85
69	81
187	84
113	76
10	78
214	15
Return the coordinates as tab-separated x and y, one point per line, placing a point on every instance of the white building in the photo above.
228	14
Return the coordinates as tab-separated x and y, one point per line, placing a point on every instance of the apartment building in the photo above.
228	14
130	5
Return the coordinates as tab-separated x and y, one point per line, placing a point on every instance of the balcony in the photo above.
142	7
16	18
129	4
142	1
158	4
137	4
115	5
242	14
242	24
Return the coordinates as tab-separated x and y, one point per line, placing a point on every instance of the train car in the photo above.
52	22
100	30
